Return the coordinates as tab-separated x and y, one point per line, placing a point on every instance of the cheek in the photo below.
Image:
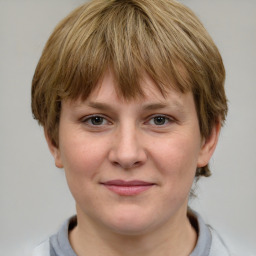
177	158
82	163
82	158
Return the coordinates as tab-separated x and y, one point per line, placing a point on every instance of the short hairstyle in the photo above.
162	38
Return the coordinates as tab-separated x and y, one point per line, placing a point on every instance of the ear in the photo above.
208	146
54	150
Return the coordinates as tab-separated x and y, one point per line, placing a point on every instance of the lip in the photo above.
127	188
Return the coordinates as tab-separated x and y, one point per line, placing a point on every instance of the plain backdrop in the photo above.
34	197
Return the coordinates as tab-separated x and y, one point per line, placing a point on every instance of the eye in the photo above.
95	120
159	120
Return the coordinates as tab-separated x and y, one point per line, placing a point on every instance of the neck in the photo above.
175	238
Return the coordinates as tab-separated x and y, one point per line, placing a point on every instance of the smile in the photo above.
127	188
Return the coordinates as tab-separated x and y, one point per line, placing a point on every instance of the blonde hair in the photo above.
163	38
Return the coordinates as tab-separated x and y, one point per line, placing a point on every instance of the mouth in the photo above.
127	188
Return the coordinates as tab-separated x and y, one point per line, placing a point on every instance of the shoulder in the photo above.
57	244
218	247
42	249
209	242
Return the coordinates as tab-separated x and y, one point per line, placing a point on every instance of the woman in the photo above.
131	97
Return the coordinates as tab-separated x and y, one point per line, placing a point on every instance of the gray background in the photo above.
34	197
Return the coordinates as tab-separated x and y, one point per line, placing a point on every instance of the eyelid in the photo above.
169	118
86	118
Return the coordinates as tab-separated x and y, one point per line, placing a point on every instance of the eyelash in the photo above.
166	118
89	120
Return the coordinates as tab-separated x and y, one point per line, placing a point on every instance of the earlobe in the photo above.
208	146
54	150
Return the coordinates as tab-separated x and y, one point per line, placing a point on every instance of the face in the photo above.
130	165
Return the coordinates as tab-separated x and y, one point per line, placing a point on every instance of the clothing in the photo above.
209	242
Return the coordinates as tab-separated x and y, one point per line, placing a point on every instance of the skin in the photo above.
126	142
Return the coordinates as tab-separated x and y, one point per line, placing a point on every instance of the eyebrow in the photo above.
100	106
155	106
146	107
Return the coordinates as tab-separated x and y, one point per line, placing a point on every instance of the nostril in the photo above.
127	166
136	164
116	164
127	154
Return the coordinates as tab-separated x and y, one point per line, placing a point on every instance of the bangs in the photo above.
131	38
121	38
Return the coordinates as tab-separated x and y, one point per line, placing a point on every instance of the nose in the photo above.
127	151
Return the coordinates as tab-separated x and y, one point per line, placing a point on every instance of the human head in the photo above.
162	38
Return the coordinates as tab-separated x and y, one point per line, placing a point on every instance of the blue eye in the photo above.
159	120
95	120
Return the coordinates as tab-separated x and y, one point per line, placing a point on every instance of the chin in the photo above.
132	224
131	229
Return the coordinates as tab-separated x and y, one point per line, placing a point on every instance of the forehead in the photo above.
107	88
105	96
